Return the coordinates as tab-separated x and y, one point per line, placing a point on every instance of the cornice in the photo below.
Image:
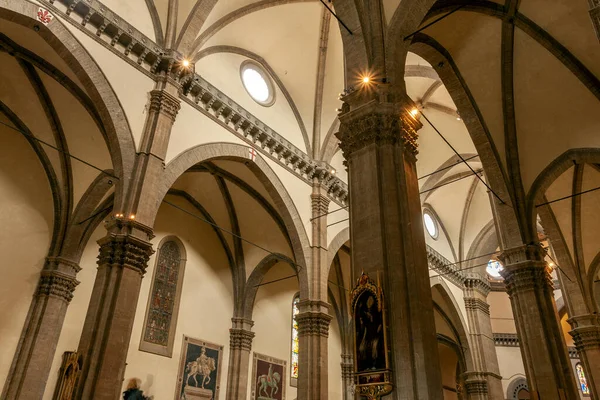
444	267
114	33
512	340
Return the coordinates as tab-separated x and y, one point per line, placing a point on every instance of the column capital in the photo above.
127	245
163	102
525	269
347	367
476	283
240	339
57	284
313	323
475	383
586	331
378	122
62	264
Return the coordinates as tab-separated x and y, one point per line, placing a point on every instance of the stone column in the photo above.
481	339
586	334
313	330
240	345
313	317
529	286
347	376
124	254
104	342
379	139
35	352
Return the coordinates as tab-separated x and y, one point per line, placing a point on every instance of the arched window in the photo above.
295	341
581	377
158	331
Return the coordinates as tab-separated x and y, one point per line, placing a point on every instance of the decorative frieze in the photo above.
162	101
476	386
313	324
512	340
57	284
347	367
444	267
240	339
535	276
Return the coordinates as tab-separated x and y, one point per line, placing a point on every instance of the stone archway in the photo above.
516	388
283	202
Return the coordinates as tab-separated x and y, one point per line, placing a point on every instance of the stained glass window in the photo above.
582	381
161	312
295	340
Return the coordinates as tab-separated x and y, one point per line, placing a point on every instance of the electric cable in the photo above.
461	157
448	167
327	213
434	22
336	17
59	150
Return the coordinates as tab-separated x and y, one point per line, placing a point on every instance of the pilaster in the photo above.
586	335
240	346
483	351
313	330
378	136
122	262
347	376
35	353
543	349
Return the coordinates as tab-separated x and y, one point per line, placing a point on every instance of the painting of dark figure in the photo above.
370	344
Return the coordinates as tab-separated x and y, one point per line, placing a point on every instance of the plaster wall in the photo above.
122	78
26	216
510	364
501	314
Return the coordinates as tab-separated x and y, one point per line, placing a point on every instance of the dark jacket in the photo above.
133	394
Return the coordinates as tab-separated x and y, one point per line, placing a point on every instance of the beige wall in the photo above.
26	217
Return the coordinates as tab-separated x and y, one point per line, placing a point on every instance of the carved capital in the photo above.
476	304
63	265
477	283
347	367
378	123
475	383
163	102
56	284
121	248
533	275
240	339
522	254
585	332
313	324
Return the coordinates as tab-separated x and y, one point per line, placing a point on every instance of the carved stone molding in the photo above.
122	248
444	267
319	203
164	102
347	367
525	253
63	265
476	386
478	283
586	331
240	339
534	276
384	124
313	324
57	284
476	304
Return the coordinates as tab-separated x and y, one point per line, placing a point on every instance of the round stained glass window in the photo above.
493	268
257	83
430	225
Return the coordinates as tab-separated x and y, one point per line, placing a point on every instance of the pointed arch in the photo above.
119	139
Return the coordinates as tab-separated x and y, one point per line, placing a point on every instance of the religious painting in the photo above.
372	374
199	370
163	303
268	378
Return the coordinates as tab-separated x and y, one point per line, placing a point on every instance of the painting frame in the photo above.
184	357
258	362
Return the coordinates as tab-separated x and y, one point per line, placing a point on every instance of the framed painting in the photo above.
268	378
199	370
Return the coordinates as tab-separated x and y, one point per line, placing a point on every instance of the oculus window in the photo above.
257	83
431	225
493	269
